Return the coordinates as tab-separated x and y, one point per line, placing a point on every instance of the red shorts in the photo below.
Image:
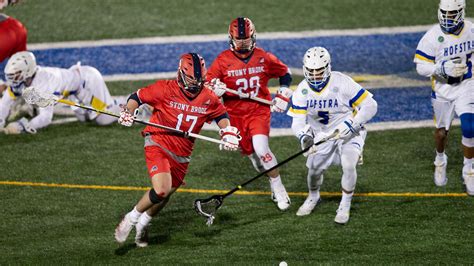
158	161
13	36
250	126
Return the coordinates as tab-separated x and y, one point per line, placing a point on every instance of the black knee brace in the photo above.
155	198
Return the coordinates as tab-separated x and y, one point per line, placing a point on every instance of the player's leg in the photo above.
96	94
159	171
316	163
268	160
178	172
143	223
465	110
443	115
350	153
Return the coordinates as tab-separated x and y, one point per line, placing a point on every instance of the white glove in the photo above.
230	136
218	87
347	128
126	118
306	137
281	100
452	68
19	127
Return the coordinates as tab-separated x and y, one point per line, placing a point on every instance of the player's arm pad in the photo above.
426	69
285	80
367	109
134	96
297	125
43	119
223	116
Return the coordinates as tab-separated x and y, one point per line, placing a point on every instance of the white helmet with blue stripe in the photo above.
20	67
317	67
451	15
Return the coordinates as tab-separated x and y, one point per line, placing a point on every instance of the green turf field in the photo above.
60	225
67	20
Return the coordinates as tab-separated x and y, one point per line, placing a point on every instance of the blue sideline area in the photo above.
370	54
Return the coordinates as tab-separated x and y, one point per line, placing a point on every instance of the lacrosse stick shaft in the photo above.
239	187
184	133
264	101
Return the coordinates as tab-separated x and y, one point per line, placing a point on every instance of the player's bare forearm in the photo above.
132	105
223	123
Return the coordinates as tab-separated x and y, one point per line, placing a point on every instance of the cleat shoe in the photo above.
440	178
123	229
141	238
343	213
280	196
308	206
468	177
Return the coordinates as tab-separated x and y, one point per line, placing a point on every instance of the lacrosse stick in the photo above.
264	101
209	206
42	99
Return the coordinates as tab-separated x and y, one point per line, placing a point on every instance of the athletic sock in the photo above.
144	220
347	198
134	215
314	194
468	161
276	181
440	156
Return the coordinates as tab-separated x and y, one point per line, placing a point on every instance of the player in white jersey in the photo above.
326	101
445	55
83	84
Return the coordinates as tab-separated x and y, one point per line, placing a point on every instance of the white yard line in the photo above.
224	37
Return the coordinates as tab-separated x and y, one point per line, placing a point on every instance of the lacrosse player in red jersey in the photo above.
183	104
13	36
246	69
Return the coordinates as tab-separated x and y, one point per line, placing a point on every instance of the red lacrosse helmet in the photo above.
242	37
191	74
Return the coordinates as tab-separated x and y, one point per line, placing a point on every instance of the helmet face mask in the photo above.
191	74
19	71
451	15
242	37
317	67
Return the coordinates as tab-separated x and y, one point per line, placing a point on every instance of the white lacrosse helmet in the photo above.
317	67
451	14
19	68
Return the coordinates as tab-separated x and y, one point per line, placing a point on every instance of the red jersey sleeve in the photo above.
216	109
276	68
151	94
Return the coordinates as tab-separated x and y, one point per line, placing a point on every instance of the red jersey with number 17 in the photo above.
248	77
173	109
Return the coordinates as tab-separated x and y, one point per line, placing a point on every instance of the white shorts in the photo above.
329	153
444	109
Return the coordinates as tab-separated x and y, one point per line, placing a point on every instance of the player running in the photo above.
326	101
246	69
182	104
445	55
82	83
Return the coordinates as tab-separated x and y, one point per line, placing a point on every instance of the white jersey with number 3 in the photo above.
328	108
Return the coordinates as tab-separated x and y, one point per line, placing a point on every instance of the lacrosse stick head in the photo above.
208	207
37	97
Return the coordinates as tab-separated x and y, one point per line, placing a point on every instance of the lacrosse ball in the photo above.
283	263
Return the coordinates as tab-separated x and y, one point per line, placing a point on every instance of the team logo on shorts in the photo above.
154	168
440	39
